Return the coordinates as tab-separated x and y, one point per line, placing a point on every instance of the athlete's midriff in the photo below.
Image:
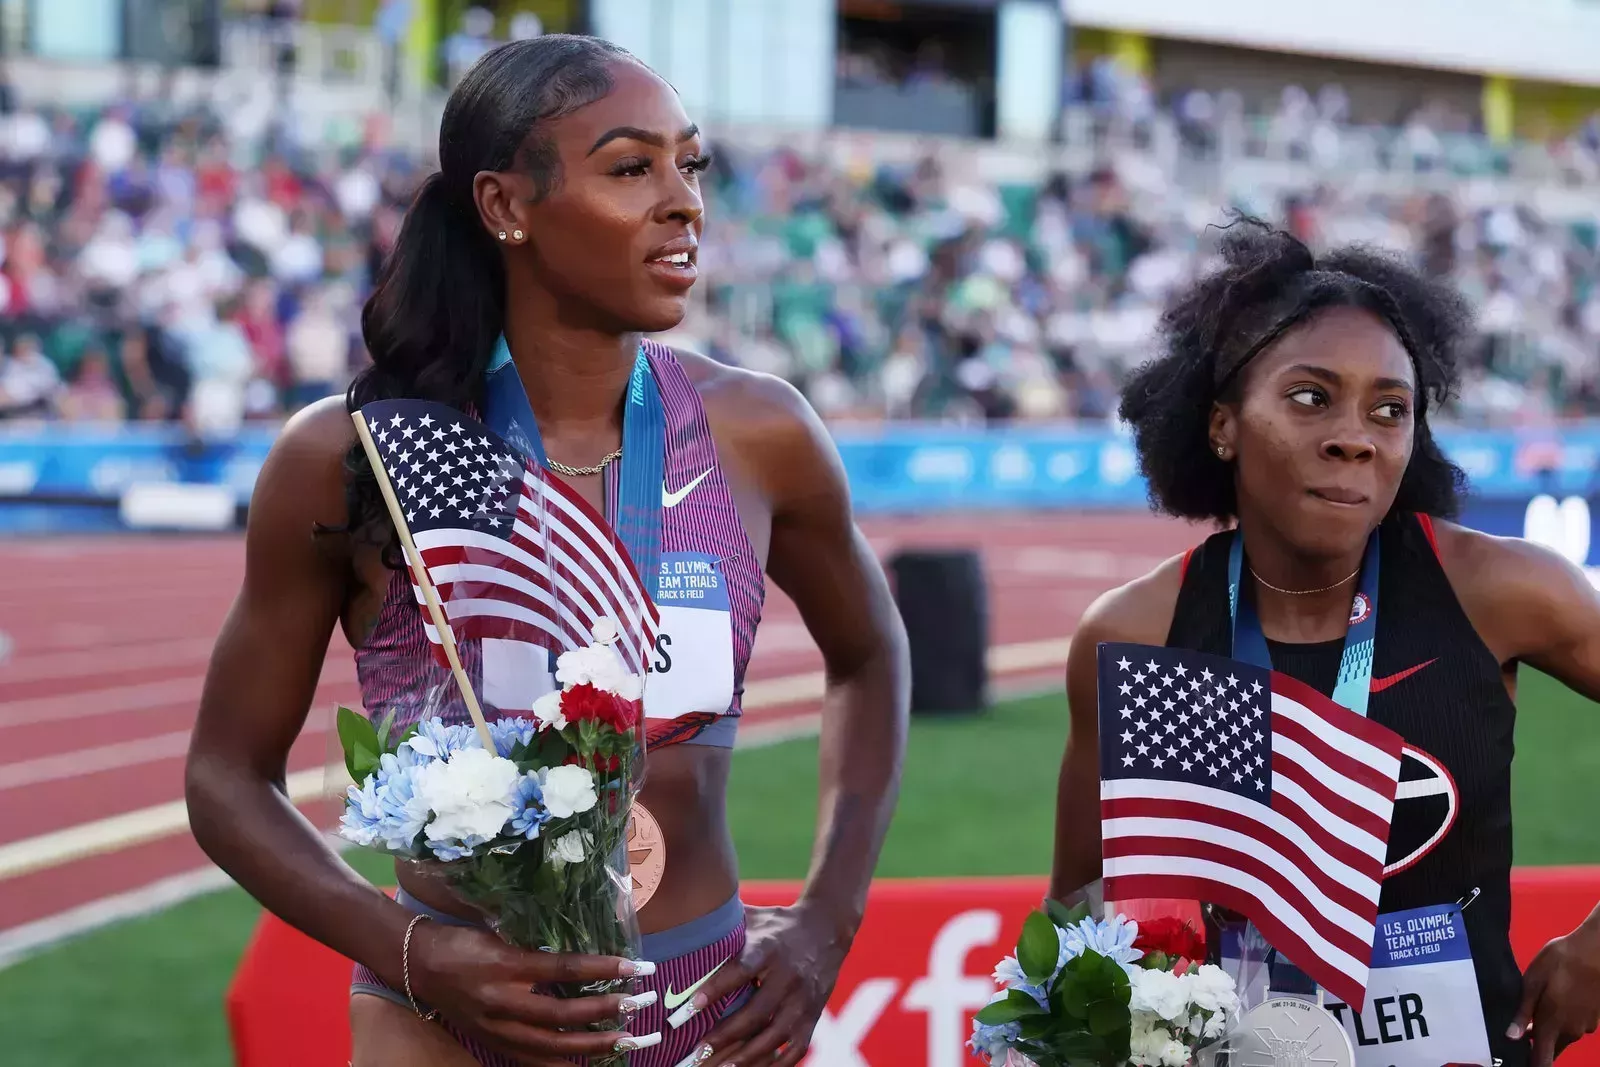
685	789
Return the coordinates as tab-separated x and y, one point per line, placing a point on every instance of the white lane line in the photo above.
85	761
142	696
20	942
29	939
137	827
148	824
59	666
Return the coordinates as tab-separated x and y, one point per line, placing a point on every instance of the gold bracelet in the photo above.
405	972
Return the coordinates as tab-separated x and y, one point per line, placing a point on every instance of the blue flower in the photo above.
993	1041
532	813
362	813
404	813
509	733
450	848
435	740
384	809
1113	938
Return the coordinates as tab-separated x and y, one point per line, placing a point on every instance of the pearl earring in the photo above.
516	235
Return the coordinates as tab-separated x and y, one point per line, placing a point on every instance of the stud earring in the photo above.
502	235
1222	452
516	235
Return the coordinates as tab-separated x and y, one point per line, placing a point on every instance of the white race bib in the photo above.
1423	1007
691	669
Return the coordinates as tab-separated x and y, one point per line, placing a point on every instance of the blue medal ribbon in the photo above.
1352	690
644	443
1354	686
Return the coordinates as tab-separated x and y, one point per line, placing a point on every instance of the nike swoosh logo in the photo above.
1380	684
671	499
673	1001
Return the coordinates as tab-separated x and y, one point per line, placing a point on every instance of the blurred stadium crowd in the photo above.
156	266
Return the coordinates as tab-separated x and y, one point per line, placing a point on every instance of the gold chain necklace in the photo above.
1303	592
583	472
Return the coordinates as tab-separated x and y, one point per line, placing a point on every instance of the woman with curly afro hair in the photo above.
1289	406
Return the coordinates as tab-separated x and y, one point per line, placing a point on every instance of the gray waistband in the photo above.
669	944
437	916
719	734
695	934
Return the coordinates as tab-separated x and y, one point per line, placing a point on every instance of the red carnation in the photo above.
1172	936
583	702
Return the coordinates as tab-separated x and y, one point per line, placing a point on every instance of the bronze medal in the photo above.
647	854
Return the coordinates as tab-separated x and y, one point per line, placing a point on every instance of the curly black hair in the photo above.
1269	283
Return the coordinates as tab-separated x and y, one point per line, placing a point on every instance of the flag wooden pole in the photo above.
420	573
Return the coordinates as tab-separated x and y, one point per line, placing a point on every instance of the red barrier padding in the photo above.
918	971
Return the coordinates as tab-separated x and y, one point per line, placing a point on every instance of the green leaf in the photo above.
1017	1005
1121	987
1073	995
355	732
1106	1017
362	762
1156	961
1038	948
383	731
1036	1027
1064	916
1081	1047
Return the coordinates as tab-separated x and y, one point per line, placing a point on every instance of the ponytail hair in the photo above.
438	304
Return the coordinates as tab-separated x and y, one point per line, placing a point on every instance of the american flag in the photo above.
1229	783
514	554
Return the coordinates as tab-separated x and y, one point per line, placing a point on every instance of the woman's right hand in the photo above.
486	987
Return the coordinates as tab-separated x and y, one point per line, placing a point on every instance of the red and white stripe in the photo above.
547	581
1307	867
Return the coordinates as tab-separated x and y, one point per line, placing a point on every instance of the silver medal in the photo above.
1284	1032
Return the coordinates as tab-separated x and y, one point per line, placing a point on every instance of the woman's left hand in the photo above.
1561	994
793	956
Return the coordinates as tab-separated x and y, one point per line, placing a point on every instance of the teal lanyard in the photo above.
1354	686
644	440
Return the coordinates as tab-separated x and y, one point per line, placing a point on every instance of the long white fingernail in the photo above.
683	1015
629	1043
697	1057
638	968
638	1001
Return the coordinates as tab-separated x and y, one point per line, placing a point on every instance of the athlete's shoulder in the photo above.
305	470
1515	591
1137	612
1472	557
766	426
744	397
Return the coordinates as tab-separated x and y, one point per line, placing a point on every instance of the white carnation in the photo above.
605	631
1215	1026
1146	1043
1174	1054
1160	993
570	847
547	709
567	790
1212	989
471	794
596	665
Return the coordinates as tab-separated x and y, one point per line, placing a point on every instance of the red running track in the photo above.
109	640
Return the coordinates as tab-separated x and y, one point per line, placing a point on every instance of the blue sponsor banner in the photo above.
899	468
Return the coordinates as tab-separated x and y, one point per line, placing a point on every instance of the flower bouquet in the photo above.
533	834
1081	991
